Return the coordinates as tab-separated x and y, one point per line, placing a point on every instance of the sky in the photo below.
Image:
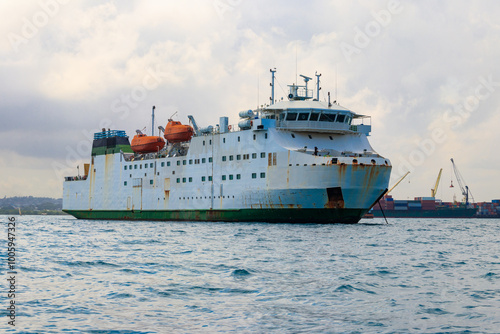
427	72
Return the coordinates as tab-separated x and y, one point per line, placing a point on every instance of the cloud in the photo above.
105	64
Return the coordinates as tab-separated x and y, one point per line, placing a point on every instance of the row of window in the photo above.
206	197
197	161
244	156
315	116
125	182
140	166
239	139
229	177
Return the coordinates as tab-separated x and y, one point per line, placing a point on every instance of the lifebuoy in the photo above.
229	127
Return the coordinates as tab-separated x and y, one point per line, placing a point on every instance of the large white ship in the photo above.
298	160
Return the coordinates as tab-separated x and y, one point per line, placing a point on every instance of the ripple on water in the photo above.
241	273
194	277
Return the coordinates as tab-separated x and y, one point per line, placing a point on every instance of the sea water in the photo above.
407	276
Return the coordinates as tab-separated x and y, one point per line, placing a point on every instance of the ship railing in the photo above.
76	178
357	125
109	134
322	126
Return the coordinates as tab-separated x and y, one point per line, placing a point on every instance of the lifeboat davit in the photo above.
146	144
176	132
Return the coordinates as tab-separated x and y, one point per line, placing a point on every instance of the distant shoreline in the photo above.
33	212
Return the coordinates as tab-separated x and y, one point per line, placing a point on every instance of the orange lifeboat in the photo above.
176	132
146	144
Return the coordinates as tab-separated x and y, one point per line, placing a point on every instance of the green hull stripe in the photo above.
316	216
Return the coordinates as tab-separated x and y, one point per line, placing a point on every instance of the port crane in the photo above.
434	190
461	182
394	186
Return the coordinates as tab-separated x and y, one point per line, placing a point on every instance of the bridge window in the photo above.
291	116
303	116
327	117
341	118
314	116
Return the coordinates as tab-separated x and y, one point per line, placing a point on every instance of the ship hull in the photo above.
300	216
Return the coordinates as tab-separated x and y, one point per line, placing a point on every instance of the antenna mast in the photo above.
272	85
153	122
317	85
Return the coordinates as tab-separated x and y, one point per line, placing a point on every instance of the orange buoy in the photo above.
146	144
176	132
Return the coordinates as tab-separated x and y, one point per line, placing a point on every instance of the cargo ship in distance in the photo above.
296	160
422	207
431	207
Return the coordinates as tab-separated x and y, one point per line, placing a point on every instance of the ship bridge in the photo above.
316	116
302	113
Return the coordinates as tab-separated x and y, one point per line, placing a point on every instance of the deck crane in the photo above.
195	126
394	186
463	187
434	190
